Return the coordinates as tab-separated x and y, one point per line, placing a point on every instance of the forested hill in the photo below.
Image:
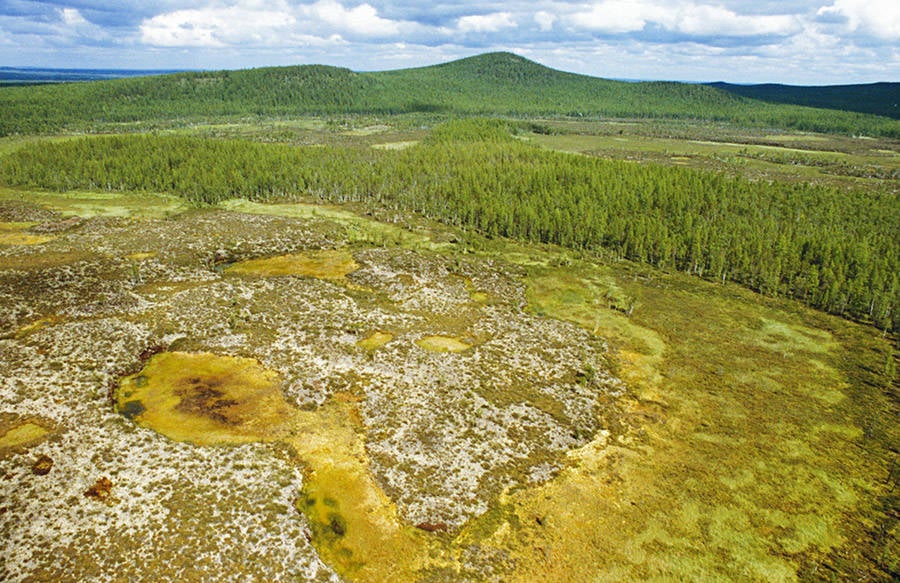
874	98
491	84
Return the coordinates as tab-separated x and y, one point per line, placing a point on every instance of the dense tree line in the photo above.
875	98
831	249
495	84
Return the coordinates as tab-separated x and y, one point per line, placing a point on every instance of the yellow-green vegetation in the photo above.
733	473
13	233
439	343
205	399
358	228
375	340
208	399
332	264
22	434
87	204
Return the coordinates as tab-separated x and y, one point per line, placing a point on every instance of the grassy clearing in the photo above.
15	233
359	229
747	464
101	204
833	160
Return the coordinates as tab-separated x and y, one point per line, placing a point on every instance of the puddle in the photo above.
322	264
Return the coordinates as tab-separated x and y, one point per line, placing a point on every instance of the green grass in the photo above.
743	472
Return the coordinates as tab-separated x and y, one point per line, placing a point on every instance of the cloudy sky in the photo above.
787	41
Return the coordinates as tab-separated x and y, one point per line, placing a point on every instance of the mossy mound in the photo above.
442	344
375	340
321	264
205	399
17	234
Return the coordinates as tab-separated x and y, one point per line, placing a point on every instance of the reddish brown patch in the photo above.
42	466
433	526
101	490
202	397
150	352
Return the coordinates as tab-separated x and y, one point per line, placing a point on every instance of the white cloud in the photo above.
844	41
545	20
719	21
486	22
879	17
216	27
689	18
362	20
72	17
256	23
614	16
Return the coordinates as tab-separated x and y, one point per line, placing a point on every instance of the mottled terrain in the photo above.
300	392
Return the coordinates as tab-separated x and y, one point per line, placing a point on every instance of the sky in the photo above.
801	42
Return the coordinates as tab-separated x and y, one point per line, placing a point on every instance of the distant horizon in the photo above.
115	73
793	42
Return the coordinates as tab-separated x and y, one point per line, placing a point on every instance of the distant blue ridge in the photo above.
13	75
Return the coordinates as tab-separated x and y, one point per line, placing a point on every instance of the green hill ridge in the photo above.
875	98
490	84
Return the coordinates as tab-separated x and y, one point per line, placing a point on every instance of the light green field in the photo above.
834	160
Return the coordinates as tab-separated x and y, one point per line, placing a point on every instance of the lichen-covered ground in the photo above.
295	392
462	395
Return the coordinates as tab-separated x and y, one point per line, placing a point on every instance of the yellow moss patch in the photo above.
22	435
141	256
478	297
205	399
322	264
211	400
442	344
34	326
42	260
395	145
375	340
356	528
14	234
475	294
